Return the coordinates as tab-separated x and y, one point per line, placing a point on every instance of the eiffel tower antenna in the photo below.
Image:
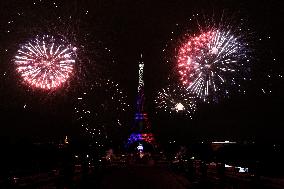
141	70
140	95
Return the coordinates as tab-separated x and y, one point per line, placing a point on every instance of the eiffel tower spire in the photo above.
140	95
141	79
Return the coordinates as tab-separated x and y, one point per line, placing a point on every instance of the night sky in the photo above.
129	28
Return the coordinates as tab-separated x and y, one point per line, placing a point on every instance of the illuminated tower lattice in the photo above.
141	135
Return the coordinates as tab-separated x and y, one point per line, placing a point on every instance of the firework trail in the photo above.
100	109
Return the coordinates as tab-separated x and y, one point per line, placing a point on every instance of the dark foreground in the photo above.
143	177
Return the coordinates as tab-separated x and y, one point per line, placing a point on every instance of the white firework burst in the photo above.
175	100
45	62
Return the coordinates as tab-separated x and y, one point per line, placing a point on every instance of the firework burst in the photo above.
32	34
210	61
175	100
212	58
45	62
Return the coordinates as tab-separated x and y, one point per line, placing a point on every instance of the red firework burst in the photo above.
192	51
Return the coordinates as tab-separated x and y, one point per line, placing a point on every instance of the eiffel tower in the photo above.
141	137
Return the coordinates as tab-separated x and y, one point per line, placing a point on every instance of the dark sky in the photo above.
129	28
